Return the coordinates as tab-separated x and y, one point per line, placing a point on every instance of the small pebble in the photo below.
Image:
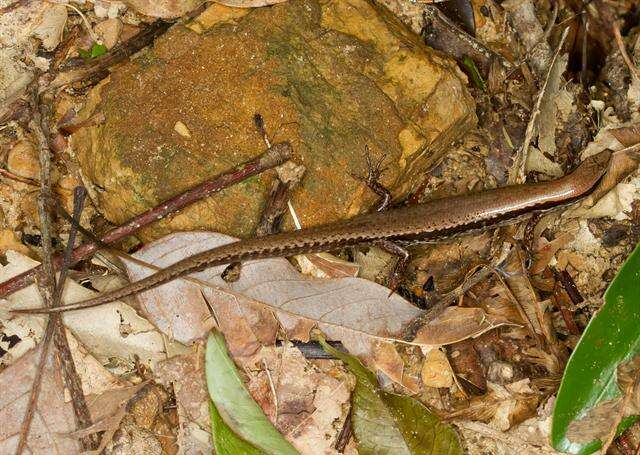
109	31
182	129
23	160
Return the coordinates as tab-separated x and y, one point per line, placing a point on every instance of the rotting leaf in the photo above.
235	405
386	423
611	338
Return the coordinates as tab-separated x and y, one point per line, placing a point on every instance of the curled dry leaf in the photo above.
627	135
107	411
49	28
456	324
504	406
545	250
436	371
325	265
524	296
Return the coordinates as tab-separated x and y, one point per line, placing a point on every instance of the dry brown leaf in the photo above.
548	107
53	418
504	406
109	31
436	371
325	265
309	406
357	312
248	3
526	299
51	25
110	332
627	135
389	362
185	373
456	324
545	250
165	9
107	411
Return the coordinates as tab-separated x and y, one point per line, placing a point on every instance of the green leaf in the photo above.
242	416
84	54
225	441
475	73
96	51
611	338
386	423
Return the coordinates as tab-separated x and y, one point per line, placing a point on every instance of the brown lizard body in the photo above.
432	221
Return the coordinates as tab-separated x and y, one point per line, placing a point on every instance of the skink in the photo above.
435	220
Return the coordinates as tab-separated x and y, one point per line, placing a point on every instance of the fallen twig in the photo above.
623	51
274	156
52	294
117	54
17	178
46	283
72	380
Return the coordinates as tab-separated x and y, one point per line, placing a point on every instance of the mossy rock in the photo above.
331	77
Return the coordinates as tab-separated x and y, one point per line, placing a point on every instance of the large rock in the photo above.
331	77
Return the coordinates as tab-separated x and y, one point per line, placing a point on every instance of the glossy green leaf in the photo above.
386	423
243	417
611	338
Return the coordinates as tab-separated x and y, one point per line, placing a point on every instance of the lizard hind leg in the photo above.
395	276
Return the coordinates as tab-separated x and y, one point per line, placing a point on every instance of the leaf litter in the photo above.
252	322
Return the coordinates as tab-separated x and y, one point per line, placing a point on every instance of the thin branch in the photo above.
623	51
52	293
271	158
117	54
11	176
47	282
71	377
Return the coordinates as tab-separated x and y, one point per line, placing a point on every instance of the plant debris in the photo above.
192	124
